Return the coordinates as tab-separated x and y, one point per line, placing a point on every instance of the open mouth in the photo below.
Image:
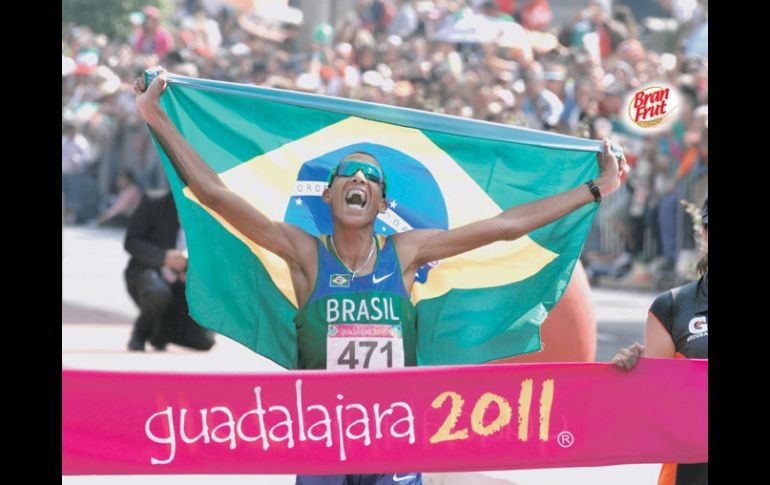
356	197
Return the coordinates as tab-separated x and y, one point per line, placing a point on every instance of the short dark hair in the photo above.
367	154
258	68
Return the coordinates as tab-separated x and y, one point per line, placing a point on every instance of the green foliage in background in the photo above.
109	17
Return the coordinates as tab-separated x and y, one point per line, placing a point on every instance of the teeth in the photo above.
356	196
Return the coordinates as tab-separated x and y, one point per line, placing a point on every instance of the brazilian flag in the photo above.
275	148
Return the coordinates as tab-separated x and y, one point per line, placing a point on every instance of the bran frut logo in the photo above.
339	281
652	108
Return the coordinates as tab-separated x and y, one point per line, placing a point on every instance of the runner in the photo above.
353	288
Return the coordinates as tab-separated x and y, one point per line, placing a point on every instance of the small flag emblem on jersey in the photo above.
339	281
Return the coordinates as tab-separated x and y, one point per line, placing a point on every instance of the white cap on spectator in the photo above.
67	66
506	96
352	76
554	75
607	80
373	78
668	61
344	49
395	40
187	69
385	70
240	49
86	61
109	81
308	82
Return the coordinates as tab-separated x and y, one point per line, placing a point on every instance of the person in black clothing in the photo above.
677	327
156	276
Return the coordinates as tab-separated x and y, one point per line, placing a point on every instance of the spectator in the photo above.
200	33
677	327
383	51
124	205
153	38
536	14
555	77
581	108
542	108
406	21
156	276
75	149
75	153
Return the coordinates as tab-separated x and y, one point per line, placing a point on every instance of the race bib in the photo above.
364	346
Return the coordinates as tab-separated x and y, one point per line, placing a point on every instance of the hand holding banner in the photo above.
430	419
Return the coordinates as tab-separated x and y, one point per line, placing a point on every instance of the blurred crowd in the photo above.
505	61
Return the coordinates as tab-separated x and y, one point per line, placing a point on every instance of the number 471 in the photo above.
446	433
348	355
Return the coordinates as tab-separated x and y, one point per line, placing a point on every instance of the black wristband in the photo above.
595	191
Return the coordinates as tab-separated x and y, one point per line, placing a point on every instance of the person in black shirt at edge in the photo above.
155	278
677	327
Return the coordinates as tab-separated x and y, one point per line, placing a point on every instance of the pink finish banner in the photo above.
424	419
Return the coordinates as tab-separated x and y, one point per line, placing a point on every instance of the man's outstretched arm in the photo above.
423	246
287	241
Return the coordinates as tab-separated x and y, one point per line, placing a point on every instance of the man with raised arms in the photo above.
353	287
